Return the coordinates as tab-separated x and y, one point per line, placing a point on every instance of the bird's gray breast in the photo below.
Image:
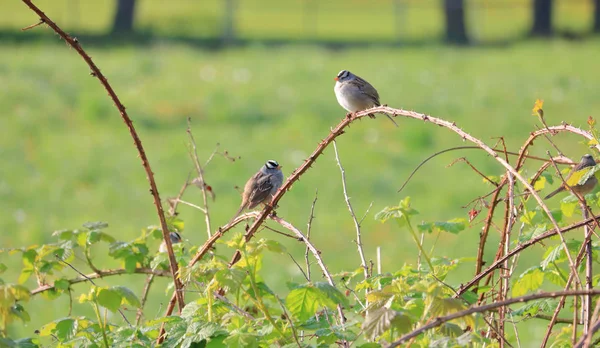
351	97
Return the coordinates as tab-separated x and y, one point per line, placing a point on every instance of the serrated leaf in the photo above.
332	293
109	298
444	306
534	307
581	176
127	296
241	340
380	320
66	329
401	211
304	302
529	280
453	226
552	255
555	277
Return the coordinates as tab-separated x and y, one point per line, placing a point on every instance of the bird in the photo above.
355	94
586	162
175	238
261	187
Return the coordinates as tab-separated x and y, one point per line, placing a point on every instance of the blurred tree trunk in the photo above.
596	16
229	28
542	18
123	22
454	11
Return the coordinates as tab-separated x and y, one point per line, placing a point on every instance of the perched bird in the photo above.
586	162
261	187
175	238
355	94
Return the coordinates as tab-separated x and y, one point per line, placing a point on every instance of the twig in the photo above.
315	253
586	339
562	300
504	247
200	171
459	148
363	261
279	232
91	281
299	267
173	202
464	159
33	25
484	308
232	305
138	143
518	249
140	311
101	274
308	228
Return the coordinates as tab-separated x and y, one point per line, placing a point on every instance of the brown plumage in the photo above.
261	186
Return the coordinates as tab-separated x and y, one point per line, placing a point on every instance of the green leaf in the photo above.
569	206
534	307
530	280
540	183
109	298
444	306
552	255
305	301
470	296
239	339
127	296
61	284
452	226
97	225
527	217
130	263
332	293
581	176
66	329
380	320
401	211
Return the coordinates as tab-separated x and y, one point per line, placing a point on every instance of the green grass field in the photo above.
67	158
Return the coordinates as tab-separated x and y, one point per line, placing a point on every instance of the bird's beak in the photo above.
336	78
279	167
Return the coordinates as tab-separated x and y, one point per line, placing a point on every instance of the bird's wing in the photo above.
260	191
368	90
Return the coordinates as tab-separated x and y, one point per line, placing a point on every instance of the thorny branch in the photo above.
363	261
74	43
484	308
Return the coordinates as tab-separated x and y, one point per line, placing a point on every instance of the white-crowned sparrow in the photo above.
175	238
585	188
261	187
355	94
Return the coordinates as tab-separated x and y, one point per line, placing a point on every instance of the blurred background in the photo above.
256	76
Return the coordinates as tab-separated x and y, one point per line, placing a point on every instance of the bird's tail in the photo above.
551	194
391	119
242	207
